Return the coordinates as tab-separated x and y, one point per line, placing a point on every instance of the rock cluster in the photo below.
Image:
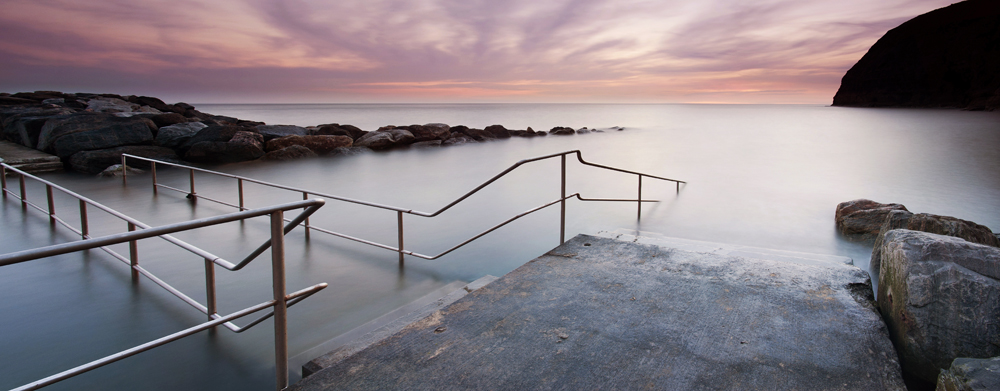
944	58
89	132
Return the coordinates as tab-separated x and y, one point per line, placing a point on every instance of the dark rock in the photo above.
65	135
9	100
214	133
226	120
111	105
275	131
940	298
541	133
155	103
498	131
183	106
119	170
971	374
583	130
944	58
168	119
23	125
863	217
173	136
338	130
432	143
291	152
93	162
562	131
39	96
385	139
941	225
458	139
350	151
222	152
475	134
319	144
429	132
249	138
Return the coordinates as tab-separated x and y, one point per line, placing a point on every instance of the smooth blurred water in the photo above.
765	176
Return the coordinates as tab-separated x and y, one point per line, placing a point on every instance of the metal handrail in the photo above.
400	211
280	302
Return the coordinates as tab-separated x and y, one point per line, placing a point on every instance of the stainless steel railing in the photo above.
400	211
138	231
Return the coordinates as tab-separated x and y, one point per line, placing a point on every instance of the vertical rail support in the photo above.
52	204
562	204
24	200
399	222
678	187
191	195
305	197
152	169
239	185
124	172
3	180
280	306
210	288
133	254
84	222
638	213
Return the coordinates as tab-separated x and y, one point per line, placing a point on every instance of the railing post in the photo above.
152	169
305	196
124	171
52	204
638	213
133	252
678	187
562	205
3	179
84	223
24	200
280	306
210	287
239	185
399	220
191	195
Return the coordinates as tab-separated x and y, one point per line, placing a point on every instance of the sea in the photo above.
765	176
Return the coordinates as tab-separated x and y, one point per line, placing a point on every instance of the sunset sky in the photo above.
345	51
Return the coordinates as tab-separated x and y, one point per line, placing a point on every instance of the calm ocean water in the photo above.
758	175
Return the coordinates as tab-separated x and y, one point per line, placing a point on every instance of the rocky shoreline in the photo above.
90	132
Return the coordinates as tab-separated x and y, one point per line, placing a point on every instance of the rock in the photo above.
7	100
216	133
944	58
168	119
290	153
941	225
39	96
940	298
318	144
429	132
156	103
385	139
562	131
432	143
65	135
111	105
222	152
249	138
458	139
971	374
475	134
582	130
498	131
173	136
863	217
118	170
92	162
275	131
338	130
541	133
23	125
350	151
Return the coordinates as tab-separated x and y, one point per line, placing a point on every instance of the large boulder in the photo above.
93	162
338	130
429	132
498	131
173	136
971	374
111	105
941	225
274	131
167	119
863	217
23	125
214	133
65	135
940	298
385	139
289	153
249	138
562	131
318	144
223	152
475	134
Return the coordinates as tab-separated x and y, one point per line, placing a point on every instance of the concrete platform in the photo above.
601	313
27	159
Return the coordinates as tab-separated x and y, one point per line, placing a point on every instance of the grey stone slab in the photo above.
600	313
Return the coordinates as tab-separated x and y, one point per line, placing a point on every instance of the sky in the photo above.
444	51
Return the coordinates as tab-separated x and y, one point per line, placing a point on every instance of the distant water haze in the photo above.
758	175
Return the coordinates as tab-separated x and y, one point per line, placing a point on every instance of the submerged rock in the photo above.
318	144
118	170
940	298
863	217
290	152
92	162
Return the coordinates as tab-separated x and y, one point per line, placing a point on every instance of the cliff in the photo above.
949	57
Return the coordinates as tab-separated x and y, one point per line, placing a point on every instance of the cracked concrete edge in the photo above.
368	334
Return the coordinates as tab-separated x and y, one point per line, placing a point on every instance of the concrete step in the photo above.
351	342
27	159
